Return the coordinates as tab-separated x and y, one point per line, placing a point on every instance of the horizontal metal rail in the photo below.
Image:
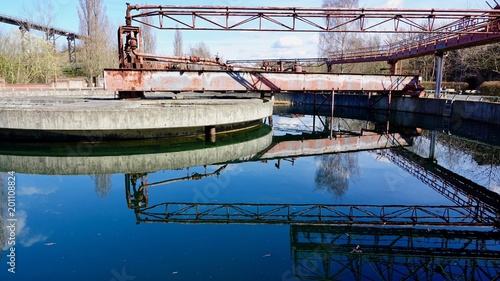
299	19
358	265
318	214
396	241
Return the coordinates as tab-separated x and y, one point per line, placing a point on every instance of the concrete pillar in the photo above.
439	74
210	134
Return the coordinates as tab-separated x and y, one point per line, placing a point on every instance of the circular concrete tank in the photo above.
94	119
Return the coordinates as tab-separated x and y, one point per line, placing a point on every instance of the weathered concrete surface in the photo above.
109	118
76	93
479	111
138	163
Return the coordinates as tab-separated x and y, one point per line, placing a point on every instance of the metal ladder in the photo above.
448	107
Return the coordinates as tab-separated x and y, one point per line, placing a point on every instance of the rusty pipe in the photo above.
190	59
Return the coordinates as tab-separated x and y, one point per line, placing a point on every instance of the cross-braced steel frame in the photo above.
380	253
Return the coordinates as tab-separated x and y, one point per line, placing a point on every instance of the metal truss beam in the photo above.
352	265
317	214
382	253
396	241
414	46
456	188
307	19
27	25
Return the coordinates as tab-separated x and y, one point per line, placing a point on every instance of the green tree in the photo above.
27	58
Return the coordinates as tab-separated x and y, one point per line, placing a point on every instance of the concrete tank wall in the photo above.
470	110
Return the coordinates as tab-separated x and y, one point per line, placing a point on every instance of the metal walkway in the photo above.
359	253
50	32
314	214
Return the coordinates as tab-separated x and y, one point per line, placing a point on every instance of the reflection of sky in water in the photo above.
98	239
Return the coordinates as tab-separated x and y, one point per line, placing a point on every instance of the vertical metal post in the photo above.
314	114
439	74
72	49
432	147
393	64
331	116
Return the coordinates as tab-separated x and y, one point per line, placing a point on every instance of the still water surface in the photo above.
88	227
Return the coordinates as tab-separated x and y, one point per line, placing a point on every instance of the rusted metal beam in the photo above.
310	214
247	81
298	19
27	25
414	48
368	141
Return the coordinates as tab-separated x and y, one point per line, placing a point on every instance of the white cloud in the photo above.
23	232
288	42
29	241
33	190
394	4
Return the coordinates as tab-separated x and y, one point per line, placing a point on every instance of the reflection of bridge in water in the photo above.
358	242
354	253
473	203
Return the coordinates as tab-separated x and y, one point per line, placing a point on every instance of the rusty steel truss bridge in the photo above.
432	30
50	32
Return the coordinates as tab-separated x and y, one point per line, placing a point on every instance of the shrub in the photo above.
490	88
458	86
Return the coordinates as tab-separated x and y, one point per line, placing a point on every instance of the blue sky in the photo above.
230	45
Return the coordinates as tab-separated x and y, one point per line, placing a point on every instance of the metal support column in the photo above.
331	117
72	49
432	146
439	74
393	66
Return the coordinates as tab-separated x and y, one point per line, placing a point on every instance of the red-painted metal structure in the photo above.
436	30
307	19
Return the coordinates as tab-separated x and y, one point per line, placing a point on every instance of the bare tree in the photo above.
97	46
200	50
341	41
178	43
102	185
42	13
335	171
148	36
